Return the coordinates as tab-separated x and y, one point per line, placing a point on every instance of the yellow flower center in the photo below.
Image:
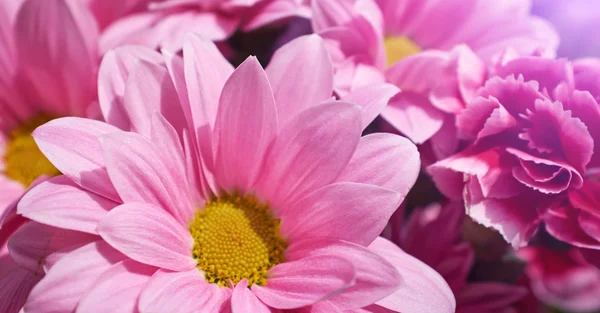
24	162
398	48
235	238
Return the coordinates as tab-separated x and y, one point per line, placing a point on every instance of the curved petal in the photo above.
142	172
305	281
112	78
59	59
301	75
69	279
15	285
310	152
243	300
372	98
376	278
72	145
245	126
422	289
59	202
149	235
352	212
373	157
117	289
184	292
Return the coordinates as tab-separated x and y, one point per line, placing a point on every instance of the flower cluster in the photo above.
295	156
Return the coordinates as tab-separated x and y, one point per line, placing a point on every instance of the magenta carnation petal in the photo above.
549	73
515	94
245	126
563	223
31	253
112	78
184	292
62	64
590	224
142	172
333	129
301	76
72	145
61	203
107	297
149	235
370	164
306	281
423	289
373	99
482	118
149	89
243	300
489	296
413	116
365	212
591	255
70	278
16	284
375	279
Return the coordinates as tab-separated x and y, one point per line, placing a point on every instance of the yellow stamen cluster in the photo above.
24	162
398	48
235	238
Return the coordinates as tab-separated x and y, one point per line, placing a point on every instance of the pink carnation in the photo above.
239	190
532	151
433	235
562	279
436	52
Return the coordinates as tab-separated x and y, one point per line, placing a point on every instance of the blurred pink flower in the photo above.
562	279
532	153
46	72
433	235
164	23
437	52
574	20
228	175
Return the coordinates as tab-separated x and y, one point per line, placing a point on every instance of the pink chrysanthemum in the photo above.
164	23
238	191
437	52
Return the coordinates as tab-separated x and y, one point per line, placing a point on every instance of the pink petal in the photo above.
149	235
413	116
489	296
149	89
15	286
70	278
142	172
372	99
33	243
246	124
330	13
344	211
482	118
563	223
375	279
112	77
306	281
515	95
243	300
371	162
117	289
301	75
62	65
184	292
72	145
422	289
310	152
59	202
590	224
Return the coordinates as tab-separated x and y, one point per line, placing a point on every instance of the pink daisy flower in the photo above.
239	191
165	23
433	235
437	52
